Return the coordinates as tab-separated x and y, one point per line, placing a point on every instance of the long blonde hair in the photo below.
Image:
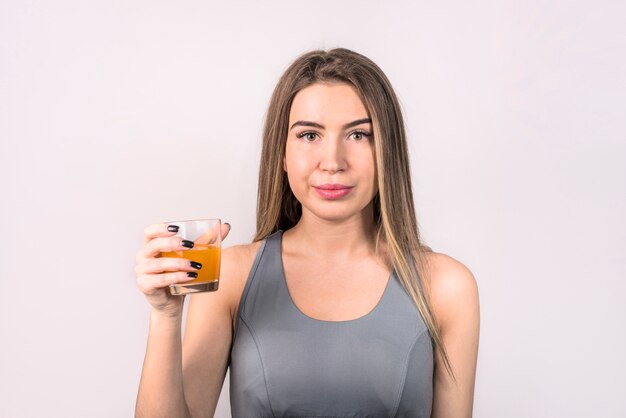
394	212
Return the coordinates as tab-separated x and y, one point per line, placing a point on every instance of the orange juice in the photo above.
205	254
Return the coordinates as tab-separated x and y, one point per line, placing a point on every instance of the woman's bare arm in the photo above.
184	378
161	389
454	298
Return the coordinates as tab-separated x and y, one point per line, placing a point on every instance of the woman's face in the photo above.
329	157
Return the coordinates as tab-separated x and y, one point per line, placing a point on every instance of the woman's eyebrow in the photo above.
317	125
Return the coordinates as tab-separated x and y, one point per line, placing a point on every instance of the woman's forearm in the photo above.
161	391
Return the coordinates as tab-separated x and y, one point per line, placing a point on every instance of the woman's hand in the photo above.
155	273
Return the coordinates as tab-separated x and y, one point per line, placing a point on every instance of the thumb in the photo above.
225	230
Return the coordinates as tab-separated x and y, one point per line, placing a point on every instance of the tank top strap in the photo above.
258	297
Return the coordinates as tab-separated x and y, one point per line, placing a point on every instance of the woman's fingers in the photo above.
158	230
166	264
165	230
158	239
225	230
158	245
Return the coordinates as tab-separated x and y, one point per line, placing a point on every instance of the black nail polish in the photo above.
229	227
188	244
195	265
192	274
172	228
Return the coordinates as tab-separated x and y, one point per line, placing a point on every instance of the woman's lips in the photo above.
333	191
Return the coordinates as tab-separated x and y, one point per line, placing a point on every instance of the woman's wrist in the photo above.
160	318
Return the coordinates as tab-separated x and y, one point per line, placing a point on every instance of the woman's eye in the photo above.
360	135
307	136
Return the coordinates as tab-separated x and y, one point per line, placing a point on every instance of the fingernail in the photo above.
188	244
172	228
192	274
195	265
229	227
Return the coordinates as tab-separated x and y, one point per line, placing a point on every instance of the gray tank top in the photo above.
287	364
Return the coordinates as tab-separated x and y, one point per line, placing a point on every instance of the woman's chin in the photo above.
335	214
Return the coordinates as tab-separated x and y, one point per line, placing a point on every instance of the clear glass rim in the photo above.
195	220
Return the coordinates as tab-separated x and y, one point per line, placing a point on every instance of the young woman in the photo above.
337	308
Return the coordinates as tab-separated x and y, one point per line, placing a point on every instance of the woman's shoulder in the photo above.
235	267
452	286
238	259
242	250
448	271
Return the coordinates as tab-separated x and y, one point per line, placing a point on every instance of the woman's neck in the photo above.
354	237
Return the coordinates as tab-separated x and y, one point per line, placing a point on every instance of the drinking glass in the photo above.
206	234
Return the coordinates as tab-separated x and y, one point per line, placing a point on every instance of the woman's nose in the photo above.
333	155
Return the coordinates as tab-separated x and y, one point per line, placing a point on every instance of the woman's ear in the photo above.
285	164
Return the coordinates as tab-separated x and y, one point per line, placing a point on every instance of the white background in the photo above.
118	114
